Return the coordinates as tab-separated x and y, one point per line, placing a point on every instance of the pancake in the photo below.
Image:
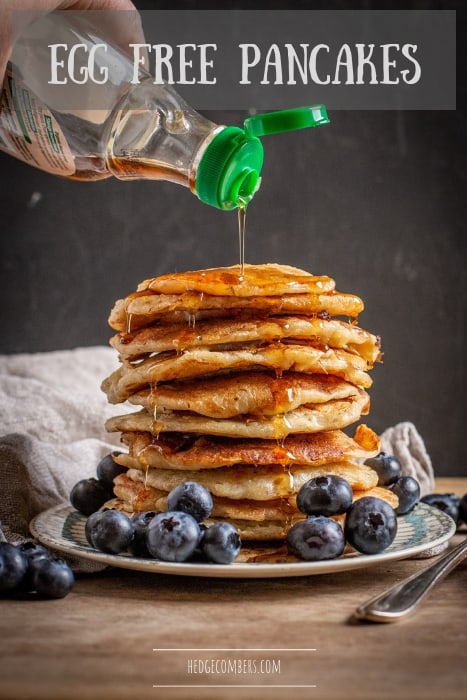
144	308
258	393
188	452
328	332
269	279
143	497
281	509
262	483
130	378
331	415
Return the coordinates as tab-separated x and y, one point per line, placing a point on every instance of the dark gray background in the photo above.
377	200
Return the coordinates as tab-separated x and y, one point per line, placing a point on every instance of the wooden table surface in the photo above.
99	641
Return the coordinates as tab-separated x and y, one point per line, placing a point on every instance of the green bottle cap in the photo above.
229	172
286	120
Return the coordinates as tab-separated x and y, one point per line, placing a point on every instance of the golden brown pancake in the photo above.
130	378
142	496
269	279
144	308
257	393
188	452
263	483
326	332
331	415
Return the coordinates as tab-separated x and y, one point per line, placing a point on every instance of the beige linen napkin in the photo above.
52	433
405	443
52	430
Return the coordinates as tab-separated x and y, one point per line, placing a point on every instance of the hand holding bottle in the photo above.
123	33
96	121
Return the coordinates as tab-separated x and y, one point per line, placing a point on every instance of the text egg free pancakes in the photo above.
245	383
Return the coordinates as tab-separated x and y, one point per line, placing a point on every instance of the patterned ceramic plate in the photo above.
425	528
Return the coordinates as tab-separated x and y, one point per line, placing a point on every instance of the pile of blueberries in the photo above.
88	495
176	535
451	504
30	568
370	522
407	490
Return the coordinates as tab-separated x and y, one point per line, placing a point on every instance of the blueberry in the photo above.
463	509
52	578
370	525
449	503
199	553
32	549
109	531
387	467
88	495
316	538
172	536
107	470
90	526
140	522
13	567
407	490
221	543
33	553
192	498
325	495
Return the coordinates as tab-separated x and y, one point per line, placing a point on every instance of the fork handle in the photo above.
404	597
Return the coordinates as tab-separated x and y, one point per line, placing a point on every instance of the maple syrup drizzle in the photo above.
142	459
128	321
241	235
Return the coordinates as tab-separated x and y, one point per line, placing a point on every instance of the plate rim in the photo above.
236	569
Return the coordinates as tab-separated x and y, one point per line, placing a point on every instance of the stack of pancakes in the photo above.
246	380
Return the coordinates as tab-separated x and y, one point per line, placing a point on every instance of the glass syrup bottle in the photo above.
91	131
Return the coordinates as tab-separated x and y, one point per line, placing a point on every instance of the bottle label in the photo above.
30	132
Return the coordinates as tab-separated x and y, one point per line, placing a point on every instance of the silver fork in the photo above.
402	599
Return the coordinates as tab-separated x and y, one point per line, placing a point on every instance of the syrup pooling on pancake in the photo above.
261	290
245	382
252	281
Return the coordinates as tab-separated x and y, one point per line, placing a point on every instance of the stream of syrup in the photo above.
241	235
